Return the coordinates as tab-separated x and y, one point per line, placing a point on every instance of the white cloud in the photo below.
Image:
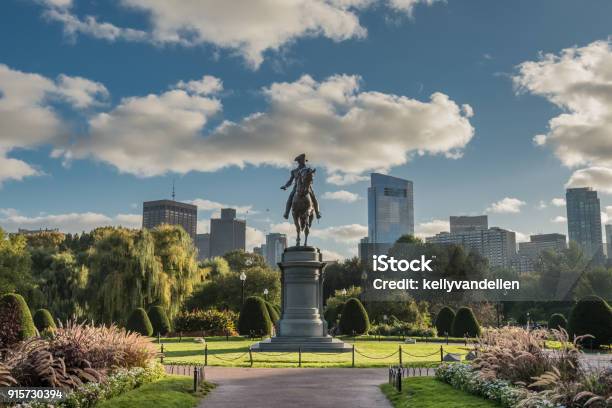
508	205
254	237
208	205
249	28
341	195
334	115
607	215
27	116
542	205
521	237
12	220
341	179
208	85
346	234
332	256
431	228
559	219
600	178
578	80
558	202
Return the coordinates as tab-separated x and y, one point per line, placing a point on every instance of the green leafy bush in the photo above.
557	321
139	322
212	322
159	320
43	320
254	317
354	318
16	322
592	315
274	316
465	323
444	321
399	328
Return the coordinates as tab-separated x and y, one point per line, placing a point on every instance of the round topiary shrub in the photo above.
444	321
591	315
557	321
15	320
465	323
159	320
254	317
354	318
272	312
139	322
43	320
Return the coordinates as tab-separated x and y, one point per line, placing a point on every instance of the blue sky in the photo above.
117	118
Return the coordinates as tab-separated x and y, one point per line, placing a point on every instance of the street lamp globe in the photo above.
343	292
242	276
266	292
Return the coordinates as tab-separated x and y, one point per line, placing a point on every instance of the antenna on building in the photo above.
173	191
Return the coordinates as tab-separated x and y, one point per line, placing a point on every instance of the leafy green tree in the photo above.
139	322
254	317
16	322
45	239
465	323
214	267
43	320
354	318
444	321
274	317
339	275
179	267
124	274
159	320
15	264
224	291
240	260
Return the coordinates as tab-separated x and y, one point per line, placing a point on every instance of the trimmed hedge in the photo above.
159	320
591	315
43	320
16	322
211	321
465	323
354	318
139	322
274	317
254	317
444	321
557	321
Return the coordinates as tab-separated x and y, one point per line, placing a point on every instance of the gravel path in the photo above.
295	387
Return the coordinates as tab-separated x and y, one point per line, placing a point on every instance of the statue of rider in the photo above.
301	160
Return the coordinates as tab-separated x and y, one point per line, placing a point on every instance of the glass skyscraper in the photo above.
390	208
584	219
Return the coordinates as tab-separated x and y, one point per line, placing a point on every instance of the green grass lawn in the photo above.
171	391
427	392
234	353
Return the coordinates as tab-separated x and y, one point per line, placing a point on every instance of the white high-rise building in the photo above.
390	208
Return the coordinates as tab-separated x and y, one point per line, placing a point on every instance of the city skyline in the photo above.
489	136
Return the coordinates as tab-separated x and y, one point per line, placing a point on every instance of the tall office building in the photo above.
390	208
171	212
609	240
529	252
203	246
226	233
496	244
464	223
584	219
275	246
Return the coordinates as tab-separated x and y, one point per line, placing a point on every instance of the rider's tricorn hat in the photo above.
301	157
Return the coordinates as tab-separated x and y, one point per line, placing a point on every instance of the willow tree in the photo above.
63	284
178	257
124	274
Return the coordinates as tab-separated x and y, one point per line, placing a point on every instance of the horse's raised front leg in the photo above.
306	231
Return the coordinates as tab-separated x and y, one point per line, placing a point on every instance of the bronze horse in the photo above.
302	208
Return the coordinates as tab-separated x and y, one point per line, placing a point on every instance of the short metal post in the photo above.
299	356
180	337
441	353
195	379
251	356
400	355
161	356
206	355
399	380
353	365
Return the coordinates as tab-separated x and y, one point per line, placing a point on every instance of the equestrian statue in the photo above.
302	201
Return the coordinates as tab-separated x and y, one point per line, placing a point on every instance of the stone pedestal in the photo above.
301	324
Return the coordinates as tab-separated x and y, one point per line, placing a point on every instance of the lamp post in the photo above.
242	279
266	293
343	292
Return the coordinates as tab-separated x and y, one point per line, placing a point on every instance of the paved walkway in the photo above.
296	387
